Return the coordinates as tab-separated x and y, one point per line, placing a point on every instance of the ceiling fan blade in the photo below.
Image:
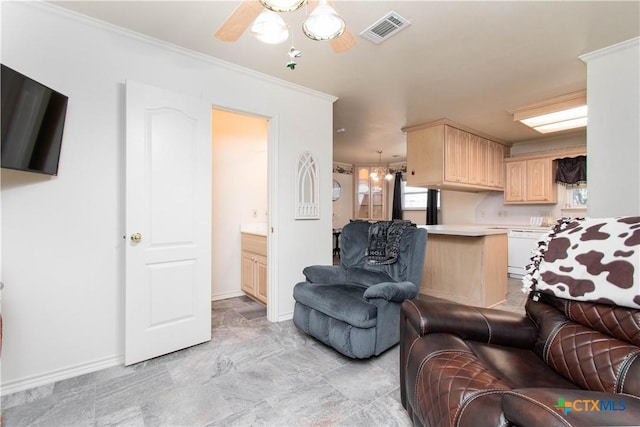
343	43
346	41
239	21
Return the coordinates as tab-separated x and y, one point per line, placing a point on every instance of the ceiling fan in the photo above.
249	10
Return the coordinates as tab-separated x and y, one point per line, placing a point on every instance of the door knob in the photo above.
136	237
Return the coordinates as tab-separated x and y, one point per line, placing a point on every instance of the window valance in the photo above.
572	171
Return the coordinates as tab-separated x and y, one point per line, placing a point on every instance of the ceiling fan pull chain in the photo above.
293	54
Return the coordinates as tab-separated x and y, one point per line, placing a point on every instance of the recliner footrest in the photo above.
342	302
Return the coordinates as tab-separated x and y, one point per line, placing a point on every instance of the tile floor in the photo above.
252	372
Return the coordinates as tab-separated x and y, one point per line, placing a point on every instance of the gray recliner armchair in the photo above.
354	307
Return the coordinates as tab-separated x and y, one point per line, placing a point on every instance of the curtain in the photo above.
572	170
432	207
397	197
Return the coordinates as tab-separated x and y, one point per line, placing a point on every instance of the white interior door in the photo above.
168	222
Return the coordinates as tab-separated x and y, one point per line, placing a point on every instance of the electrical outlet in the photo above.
481	214
254	213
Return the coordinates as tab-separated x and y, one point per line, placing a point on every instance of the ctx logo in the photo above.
589	405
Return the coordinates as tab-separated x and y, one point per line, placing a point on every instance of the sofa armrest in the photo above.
562	407
392	291
470	323
328	274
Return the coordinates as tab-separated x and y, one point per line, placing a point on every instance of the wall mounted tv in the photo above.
33	118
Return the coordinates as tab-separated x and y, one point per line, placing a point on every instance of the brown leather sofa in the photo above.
565	363
572	360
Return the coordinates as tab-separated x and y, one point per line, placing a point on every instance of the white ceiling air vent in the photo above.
385	27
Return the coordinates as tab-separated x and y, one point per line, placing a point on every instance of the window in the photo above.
576	196
415	198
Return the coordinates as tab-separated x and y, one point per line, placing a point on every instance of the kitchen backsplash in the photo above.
492	210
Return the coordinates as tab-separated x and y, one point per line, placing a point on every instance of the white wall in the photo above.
554	142
62	237
613	134
343	207
239	193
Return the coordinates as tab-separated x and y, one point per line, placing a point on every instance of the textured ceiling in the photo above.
470	62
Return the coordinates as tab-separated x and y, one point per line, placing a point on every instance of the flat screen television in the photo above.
33	118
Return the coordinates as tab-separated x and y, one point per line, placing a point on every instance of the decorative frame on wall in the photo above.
307	188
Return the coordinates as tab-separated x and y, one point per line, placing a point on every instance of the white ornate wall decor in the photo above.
307	188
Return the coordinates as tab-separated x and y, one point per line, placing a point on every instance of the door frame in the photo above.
273	126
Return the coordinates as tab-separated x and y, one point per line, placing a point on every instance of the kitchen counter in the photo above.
466	264
525	227
480	229
464	230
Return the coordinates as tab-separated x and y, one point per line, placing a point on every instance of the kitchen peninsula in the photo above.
466	264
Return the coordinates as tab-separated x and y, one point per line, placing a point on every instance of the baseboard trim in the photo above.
21	384
233	294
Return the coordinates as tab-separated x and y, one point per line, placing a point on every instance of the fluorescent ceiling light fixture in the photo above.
324	23
558	116
561	113
563	125
282	5
270	28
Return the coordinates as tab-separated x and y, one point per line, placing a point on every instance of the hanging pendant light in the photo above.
270	28
282	5
380	171
323	23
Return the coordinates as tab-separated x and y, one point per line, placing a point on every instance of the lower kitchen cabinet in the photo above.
254	266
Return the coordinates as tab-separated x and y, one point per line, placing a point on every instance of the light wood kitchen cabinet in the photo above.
515	173
479	165
495	154
445	155
530	181
456	155
254	266
541	181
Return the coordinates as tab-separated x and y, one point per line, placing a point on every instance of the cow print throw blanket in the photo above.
595	260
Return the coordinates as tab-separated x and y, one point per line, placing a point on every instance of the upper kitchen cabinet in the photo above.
530	178
449	156
479	160
530	181
496	153
456	155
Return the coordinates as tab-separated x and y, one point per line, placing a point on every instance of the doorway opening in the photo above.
239	194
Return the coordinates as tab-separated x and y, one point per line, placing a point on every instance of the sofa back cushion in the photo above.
581	342
618	322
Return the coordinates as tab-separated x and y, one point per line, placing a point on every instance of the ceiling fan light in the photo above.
282	5
323	23
270	28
